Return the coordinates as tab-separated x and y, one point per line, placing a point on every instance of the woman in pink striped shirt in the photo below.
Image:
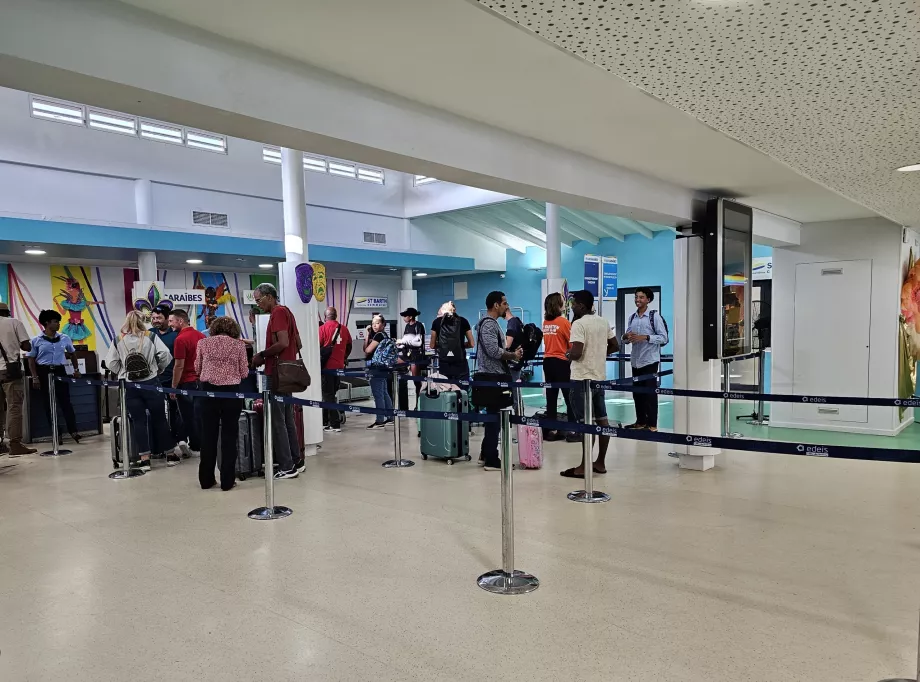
221	364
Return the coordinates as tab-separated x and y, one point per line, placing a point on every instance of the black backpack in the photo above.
135	363
450	338
530	339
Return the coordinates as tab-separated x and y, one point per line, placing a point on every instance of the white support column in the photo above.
697	416
147	267
408	297
143	201
295	248
553	243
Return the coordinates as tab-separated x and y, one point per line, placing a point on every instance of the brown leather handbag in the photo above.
291	376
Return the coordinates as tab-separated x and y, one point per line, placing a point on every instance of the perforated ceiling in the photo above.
830	88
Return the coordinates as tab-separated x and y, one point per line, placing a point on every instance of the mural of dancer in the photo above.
218	298
74	300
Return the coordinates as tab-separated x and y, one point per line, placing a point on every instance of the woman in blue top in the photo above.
51	353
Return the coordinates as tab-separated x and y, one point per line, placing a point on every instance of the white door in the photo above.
831	344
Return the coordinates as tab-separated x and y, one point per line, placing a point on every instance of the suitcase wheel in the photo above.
242	477
469	459
425	457
450	461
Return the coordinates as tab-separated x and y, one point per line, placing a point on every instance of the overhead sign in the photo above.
179	297
377	302
609	278
762	268
592	273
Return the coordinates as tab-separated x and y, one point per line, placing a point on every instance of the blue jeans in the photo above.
382	400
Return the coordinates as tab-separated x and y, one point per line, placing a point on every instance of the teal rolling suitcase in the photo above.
446	439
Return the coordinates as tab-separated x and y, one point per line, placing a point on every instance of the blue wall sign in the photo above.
609	277
592	273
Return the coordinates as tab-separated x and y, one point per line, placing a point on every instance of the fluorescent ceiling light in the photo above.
908	169
35	252
266	266
194	261
421	274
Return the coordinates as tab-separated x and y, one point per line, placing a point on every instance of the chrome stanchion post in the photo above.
589	494
56	449
726	401
759	418
908	679
397	461
506	580
269	511
126	470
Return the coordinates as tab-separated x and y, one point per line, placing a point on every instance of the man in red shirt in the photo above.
184	349
282	342
335	340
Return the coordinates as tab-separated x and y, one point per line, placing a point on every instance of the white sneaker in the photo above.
293	473
184	449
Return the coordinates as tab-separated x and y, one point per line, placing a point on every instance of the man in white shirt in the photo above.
13	338
592	341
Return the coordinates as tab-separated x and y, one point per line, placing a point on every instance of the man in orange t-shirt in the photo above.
556	366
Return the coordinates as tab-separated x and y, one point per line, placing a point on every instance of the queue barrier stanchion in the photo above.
760	419
506	580
726	402
589	494
270	511
126	470
397	462
56	449
908	679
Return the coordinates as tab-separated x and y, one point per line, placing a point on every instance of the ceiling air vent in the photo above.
210	219
374	238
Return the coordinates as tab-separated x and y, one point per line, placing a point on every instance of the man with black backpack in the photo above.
647	332
451	335
334	349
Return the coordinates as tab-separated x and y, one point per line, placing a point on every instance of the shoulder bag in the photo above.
13	368
325	353
291	376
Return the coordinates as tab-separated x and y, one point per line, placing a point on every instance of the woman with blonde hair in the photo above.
139	357
221	365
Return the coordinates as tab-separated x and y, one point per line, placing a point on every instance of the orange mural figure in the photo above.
71	301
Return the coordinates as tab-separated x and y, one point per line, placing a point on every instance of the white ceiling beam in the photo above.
636	226
519	210
504	214
539	210
586	222
503	239
495	223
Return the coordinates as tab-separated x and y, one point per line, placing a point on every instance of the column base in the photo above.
697	462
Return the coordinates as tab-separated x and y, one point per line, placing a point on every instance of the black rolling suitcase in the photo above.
249	458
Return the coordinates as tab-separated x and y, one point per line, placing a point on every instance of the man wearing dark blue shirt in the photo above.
52	354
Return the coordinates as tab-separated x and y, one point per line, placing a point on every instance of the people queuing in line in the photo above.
451	336
53	354
376	343
159	321
557	367
13	341
646	332
592	341
221	365
335	344
411	349
184	377
140	357
493	358
282	345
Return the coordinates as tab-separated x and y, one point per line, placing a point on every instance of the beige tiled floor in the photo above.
767	568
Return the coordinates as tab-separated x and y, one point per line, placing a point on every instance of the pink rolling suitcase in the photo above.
530	446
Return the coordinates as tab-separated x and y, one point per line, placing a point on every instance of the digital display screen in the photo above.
737	244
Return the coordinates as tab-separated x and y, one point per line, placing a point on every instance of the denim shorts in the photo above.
597	403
